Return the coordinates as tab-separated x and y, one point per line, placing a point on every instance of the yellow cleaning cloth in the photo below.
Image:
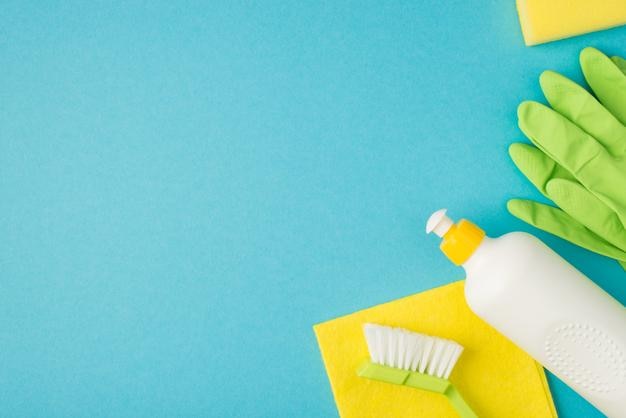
549	20
495	377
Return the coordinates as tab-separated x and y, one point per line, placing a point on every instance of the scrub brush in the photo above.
420	361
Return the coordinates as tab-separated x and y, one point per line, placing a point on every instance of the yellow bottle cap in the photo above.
459	240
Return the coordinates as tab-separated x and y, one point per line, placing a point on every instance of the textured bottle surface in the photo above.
553	312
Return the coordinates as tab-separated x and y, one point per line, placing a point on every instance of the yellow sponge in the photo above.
549	20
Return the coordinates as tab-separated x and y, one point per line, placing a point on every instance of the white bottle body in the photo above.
553	312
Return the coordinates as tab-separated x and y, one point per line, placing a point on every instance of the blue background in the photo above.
187	188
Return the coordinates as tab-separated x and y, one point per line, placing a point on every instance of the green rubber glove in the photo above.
579	157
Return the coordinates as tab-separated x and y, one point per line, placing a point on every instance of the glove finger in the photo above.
576	151
620	62
606	80
559	223
537	166
580	107
583	206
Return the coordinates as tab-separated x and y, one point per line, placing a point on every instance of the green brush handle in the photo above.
457	401
419	381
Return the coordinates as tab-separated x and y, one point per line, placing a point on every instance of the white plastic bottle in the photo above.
545	306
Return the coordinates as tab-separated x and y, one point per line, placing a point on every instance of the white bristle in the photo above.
401	343
403	349
427	348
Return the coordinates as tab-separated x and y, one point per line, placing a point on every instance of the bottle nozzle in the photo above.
439	223
459	241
